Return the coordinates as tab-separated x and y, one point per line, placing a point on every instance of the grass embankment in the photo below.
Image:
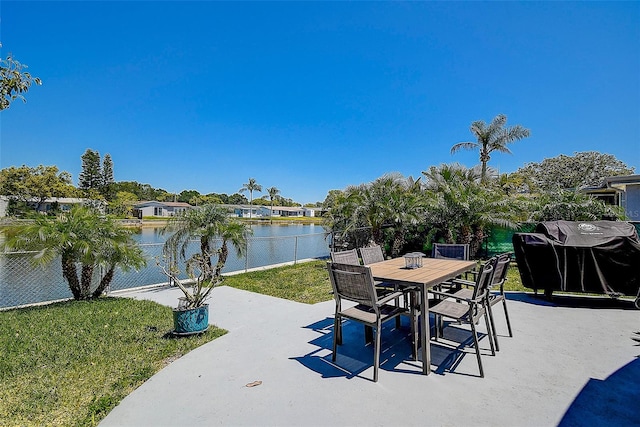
70	363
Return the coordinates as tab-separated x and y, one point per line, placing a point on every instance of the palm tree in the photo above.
80	236
215	229
342	218
490	138
459	208
441	178
273	192
405	205
390	201
209	223
251	186
570	205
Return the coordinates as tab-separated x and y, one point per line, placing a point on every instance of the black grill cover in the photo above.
594	257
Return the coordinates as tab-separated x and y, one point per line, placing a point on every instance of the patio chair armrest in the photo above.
463	282
477	300
390	297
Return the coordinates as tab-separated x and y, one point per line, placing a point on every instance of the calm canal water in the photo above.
21	283
154	234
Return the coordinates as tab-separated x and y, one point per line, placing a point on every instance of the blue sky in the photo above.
314	96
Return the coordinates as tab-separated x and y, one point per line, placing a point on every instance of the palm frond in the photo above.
464	146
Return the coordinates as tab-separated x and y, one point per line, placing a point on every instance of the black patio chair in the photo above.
468	310
355	283
497	294
496	291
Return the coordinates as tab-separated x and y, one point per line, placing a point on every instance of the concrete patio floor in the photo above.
571	362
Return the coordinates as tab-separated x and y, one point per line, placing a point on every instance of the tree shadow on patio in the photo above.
613	401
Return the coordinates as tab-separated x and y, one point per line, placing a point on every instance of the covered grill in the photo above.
594	257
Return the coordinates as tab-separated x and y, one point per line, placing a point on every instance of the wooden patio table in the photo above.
432	273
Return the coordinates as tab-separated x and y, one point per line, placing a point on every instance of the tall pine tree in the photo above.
107	169
107	177
91	177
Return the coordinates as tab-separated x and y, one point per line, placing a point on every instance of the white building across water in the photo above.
168	209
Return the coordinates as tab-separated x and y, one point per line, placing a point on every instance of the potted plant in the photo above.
191	315
215	229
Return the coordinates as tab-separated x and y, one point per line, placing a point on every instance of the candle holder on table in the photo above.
413	260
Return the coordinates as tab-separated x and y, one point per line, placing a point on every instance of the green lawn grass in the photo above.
70	363
513	282
306	282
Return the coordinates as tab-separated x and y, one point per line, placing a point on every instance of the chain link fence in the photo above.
22	283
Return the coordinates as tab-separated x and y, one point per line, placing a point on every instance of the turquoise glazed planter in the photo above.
191	321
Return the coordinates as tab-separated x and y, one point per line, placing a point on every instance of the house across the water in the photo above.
161	209
275	211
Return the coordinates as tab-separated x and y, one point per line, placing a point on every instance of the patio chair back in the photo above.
371	255
451	250
500	271
346	257
374	254
493	298
353	283
484	280
468	310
